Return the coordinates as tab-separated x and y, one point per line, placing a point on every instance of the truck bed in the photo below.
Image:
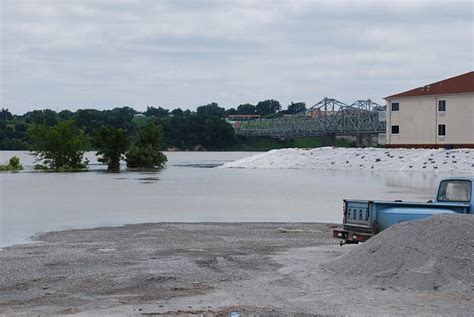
364	218
366	215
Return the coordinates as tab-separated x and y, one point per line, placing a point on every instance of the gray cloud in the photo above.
88	53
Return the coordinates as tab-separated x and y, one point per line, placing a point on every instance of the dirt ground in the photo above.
200	269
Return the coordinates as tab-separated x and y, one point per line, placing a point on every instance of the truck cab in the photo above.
362	219
457	190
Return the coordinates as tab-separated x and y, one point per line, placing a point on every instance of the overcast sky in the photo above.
70	54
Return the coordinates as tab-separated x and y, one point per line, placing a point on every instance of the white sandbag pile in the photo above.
375	159
436	253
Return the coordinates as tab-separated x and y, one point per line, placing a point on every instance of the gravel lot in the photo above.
201	269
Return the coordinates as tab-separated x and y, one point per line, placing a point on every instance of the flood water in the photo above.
190	189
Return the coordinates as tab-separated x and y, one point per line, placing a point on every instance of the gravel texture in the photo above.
435	253
208	270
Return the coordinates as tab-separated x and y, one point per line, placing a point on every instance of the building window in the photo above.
395	129
441	129
395	106
441	105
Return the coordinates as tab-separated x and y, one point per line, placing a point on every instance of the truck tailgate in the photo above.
358	214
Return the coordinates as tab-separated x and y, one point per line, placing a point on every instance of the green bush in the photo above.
145	157
13	165
40	167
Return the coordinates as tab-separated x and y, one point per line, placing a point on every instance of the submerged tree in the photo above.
60	147
112	145
13	165
146	152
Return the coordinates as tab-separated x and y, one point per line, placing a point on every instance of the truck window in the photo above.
456	190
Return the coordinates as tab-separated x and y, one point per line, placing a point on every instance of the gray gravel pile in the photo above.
436	253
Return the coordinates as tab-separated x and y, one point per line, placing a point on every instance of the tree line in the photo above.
204	128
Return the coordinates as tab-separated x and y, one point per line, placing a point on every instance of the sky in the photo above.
72	54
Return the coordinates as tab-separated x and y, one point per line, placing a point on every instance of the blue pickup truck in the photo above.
365	218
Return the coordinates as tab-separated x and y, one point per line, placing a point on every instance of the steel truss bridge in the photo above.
329	117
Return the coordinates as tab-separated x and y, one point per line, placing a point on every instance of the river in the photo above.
190	189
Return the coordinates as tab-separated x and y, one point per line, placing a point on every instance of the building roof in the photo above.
460	84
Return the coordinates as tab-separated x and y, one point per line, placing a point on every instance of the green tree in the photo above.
46	116
91	120
296	107
156	112
211	109
146	152
231	111
66	115
121	118
178	112
60	147
267	107
246	108
216	134
5	114
112	145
